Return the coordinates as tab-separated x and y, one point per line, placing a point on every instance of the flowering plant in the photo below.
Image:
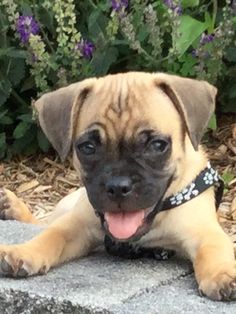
47	44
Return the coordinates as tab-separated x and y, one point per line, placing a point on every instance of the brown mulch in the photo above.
221	148
41	181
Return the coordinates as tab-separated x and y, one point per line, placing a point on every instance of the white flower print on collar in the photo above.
207	178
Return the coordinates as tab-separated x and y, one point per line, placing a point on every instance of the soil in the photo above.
41	181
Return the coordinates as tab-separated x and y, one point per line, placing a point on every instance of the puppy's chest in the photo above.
151	245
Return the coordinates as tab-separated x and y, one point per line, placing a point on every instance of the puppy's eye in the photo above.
160	146
86	148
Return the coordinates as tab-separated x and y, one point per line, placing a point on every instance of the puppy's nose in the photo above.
119	187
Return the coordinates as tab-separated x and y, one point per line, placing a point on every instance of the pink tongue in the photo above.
123	225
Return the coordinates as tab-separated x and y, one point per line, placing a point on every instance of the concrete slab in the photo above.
177	297
103	284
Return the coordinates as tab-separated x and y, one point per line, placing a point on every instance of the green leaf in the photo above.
187	67
103	60
3	113
227	177
232	92
6	120
5	90
21	129
208	22
230	106
2	139
231	54
26	144
212	123
28	84
189	3
26	8
2	145
47	19
97	23
190	29
143	33
16	71
43	141
11	52
4	22
26	117
18	54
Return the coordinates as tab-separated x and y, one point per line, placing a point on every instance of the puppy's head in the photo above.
129	134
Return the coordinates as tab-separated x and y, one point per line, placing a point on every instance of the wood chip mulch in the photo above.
221	148
41	181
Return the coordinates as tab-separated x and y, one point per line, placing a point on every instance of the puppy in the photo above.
135	140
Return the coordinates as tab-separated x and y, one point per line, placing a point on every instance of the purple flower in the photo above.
168	3
25	26
205	39
200	54
194	53
34	58
86	48
118	5
177	9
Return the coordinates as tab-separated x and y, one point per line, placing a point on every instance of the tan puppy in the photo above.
135	140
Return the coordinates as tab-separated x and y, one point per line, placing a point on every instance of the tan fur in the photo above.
121	102
17	209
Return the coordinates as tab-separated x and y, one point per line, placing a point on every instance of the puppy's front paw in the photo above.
10	205
221	285
6	210
12	208
17	261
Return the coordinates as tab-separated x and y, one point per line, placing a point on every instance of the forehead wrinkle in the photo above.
105	95
132	113
115	105
120	95
121	103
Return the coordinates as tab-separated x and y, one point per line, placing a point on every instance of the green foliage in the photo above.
227	178
190	29
212	123
189	3
78	39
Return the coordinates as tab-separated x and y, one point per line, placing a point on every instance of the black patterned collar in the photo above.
206	179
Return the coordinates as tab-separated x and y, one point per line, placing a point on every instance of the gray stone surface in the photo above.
103	284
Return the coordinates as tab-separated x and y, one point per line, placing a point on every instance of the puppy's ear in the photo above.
58	112
194	100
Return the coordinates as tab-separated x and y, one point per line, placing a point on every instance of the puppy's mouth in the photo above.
125	225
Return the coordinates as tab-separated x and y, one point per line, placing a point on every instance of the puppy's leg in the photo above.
214	264
209	248
72	235
12	208
66	204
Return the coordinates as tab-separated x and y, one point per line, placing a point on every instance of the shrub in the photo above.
47	44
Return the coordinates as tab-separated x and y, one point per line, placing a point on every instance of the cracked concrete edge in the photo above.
161	284
174	292
178	298
21	302
107	267
168	299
